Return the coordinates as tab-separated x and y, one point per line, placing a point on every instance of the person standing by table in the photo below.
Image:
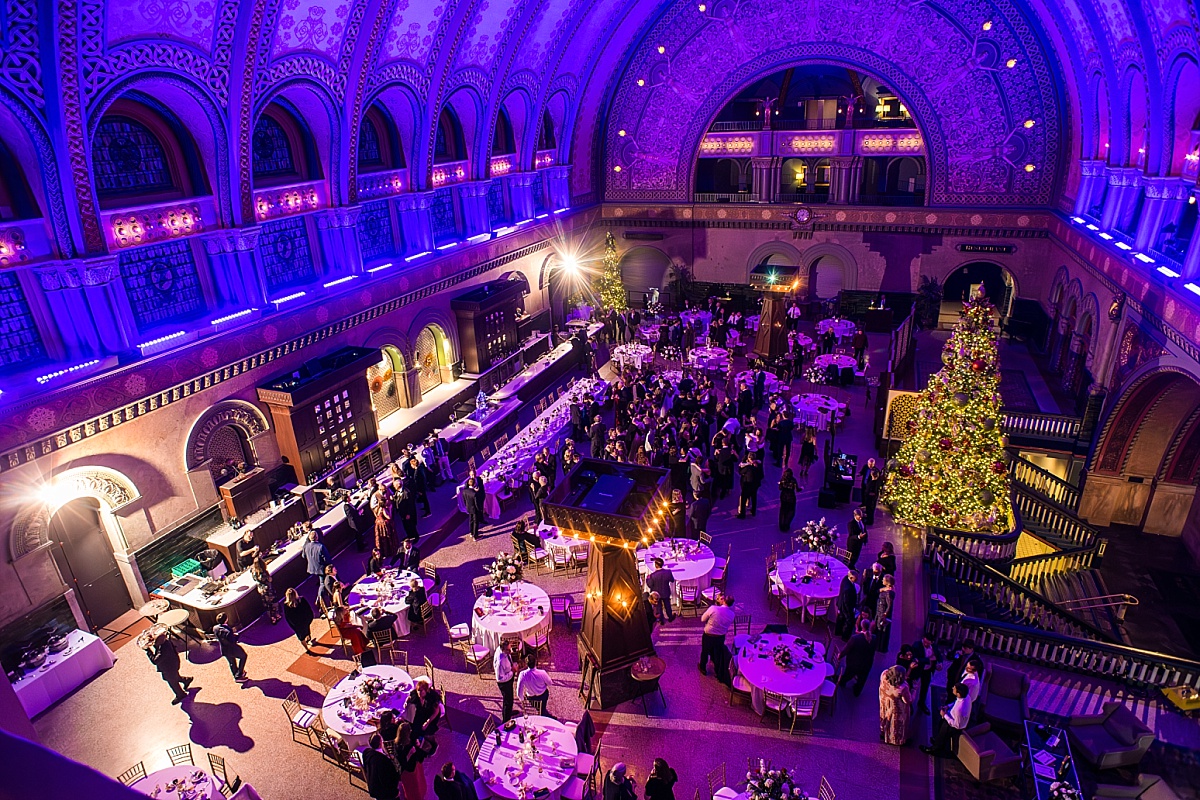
884	604
699	512
247	551
266	588
231	646
406	508
856	537
846	606
717	620
662	580
808	451
859	343
502	664
472	494
409	757
383	779
165	658
534	686
298	613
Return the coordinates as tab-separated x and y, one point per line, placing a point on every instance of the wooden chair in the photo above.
778	705
717	787
300	718
559	604
426	616
825	792
327	746
429	673
575	614
331	677
351	761
471	464
489	726
133	774
479	657
382	641
539	644
459	635
327	615
181	754
689	599
432	579
561	559
473	750
228	784
585	763
741	622
579	558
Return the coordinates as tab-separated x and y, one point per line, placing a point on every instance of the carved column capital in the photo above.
231	240
339	217
475	188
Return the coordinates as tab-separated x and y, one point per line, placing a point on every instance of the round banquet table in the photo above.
814	410
648	332
632	354
370	592
553	540
504	617
709	357
771	385
702	318
842	361
799	340
355	725
826	580
192	783
690	568
841	327
756	664
512	769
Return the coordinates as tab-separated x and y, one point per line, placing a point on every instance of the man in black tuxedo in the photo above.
871	479
857	537
872	583
859	655
598	434
472	494
966	652
750	472
380	620
165	658
929	659
409	556
418	482
846	606
383	779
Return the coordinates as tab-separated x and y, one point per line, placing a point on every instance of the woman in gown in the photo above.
787	498
808	451
895	706
385	537
408	758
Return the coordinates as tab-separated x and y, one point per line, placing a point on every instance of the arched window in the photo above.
16	199
274	155
449	144
546	139
142	153
503	141
370	150
378	145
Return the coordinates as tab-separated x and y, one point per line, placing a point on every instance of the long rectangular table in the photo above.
1049	753
86	655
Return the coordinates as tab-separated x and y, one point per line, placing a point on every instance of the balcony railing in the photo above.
1039	514
804	197
902	200
373	185
725	197
1030	475
1058	427
1030	571
736	126
450	173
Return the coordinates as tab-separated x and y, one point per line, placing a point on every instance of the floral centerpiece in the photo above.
654	308
783	656
817	535
815	374
505	569
772	784
368	692
1061	790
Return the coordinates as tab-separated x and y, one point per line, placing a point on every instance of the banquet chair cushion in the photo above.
710	594
304	718
460	631
584	764
575	789
725	793
741	684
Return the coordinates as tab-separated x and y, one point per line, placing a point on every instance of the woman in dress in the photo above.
385	537
787	498
883	613
343	619
660	783
408	759
808	451
266	590
895	706
416	600
299	615
887	558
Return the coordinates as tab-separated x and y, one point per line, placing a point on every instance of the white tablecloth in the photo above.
814	410
771	385
648	332
825	580
184	776
63	672
355	725
799	340
842	361
632	354
690	568
552	540
511	611
700	319
756	664
509	765
515	459
370	592
841	327
709	357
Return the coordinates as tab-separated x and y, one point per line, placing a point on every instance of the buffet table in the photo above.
756	663
532	372
351	716
528	755
63	672
519	609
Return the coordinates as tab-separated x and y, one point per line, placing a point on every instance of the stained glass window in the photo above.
272	150
286	257
127	159
429	372
441	214
19	337
495	201
375	231
162	284
370	152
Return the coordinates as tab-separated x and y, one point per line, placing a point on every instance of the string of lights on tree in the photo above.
609	286
950	471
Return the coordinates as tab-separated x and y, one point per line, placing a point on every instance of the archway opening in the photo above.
644	272
961	285
386	382
826	278
432	357
84	557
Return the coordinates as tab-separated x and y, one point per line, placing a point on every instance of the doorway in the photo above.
996	282
85	559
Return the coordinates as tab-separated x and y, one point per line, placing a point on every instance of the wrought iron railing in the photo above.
1139	669
1046	483
725	197
1015	598
735	126
1058	427
1041	514
1030	570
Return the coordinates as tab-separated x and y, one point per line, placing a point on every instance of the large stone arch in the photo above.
777	248
31	527
970	105
814	254
246	417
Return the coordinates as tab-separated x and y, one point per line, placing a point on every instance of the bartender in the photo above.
247	551
330	494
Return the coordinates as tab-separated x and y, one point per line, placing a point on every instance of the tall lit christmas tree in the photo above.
609	286
950	471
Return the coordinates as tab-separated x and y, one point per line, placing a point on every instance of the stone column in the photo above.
845	178
1191	261
472	201
337	233
557	184
69	311
1123	186
414	221
236	276
520	194
1091	183
108	302
766	178
1165	200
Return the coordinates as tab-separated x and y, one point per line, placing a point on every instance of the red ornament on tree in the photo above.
937	508
978	365
945	443
998	467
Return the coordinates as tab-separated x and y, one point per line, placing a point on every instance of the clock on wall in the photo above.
802	215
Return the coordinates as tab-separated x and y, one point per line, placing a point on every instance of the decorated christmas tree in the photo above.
609	286
950	471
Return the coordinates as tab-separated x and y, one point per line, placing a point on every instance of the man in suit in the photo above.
409	556
356	522
598	434
760	387
383	779
662	580
859	655
231	647
872	583
871	479
165	658
846	606
929	660
380	620
418	482
856	538
751	474
699	512
966	652
472	494
316	555
539	491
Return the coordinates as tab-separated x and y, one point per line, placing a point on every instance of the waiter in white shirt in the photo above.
717	619
503	665
534	686
955	718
